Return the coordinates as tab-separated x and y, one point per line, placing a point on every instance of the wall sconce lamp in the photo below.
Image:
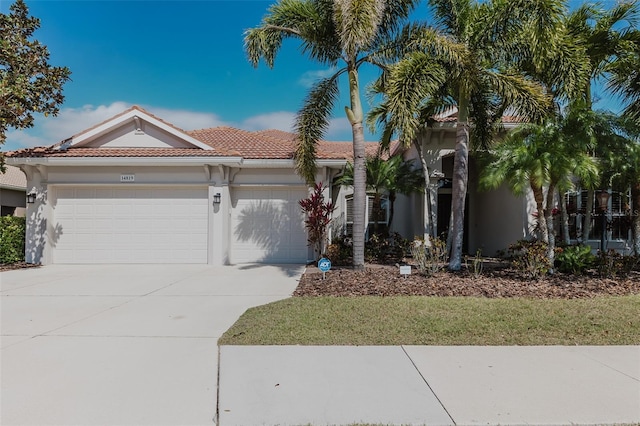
216	198
31	197
603	200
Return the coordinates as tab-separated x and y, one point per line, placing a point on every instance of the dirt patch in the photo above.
495	282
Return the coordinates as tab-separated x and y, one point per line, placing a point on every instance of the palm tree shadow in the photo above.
273	227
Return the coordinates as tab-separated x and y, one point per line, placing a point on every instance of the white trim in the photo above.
128	161
133	114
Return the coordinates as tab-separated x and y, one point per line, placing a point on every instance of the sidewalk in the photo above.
429	385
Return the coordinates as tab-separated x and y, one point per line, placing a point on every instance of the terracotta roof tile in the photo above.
225	141
13	178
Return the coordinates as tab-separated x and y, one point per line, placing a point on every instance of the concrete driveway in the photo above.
122	344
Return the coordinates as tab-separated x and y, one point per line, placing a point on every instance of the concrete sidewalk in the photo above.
429	385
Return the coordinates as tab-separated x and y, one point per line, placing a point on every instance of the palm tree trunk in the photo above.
356	116
586	228
392	200
551	234
538	196
459	186
566	238
635	217
429	229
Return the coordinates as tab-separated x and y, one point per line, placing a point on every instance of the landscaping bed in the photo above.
496	281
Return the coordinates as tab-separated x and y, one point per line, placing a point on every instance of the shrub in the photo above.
530	258
340	251
318	218
429	260
612	264
12	236
380	249
575	259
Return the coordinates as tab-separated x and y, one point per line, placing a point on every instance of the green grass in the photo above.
439	321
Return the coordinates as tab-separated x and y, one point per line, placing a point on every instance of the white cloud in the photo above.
187	120
339	129
309	78
280	120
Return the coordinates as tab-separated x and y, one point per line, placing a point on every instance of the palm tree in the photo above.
605	36
470	58
331	32
393	176
539	157
625	78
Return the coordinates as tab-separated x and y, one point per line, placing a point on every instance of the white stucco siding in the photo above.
267	225
133	224
155	175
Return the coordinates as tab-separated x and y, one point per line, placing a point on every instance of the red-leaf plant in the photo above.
318	216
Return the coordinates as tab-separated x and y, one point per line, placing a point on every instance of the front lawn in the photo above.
421	320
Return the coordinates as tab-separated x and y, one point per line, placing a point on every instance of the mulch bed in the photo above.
496	282
18	265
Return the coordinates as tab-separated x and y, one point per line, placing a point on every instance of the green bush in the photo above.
530	258
12	235
575	259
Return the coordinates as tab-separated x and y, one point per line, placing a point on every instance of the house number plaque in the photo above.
127	178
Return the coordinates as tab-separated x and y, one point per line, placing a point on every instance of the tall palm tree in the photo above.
348	33
605	35
539	157
469	57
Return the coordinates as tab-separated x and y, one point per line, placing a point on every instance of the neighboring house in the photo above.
13	197
136	189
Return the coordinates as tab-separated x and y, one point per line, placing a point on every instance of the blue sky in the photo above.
181	60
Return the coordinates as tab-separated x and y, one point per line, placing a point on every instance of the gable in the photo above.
142	135
134	128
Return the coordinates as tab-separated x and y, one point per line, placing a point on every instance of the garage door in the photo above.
267	226
130	225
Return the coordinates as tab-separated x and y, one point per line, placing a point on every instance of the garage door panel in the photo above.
267	226
131	225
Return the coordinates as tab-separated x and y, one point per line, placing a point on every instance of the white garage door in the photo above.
130	225
267	226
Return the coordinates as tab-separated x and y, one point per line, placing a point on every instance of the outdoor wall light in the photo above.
216	198
31	197
603	200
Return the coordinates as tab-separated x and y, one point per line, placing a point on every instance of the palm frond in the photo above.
357	23
311	123
409	84
525	96
302	19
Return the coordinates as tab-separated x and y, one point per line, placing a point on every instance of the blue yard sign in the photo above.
324	265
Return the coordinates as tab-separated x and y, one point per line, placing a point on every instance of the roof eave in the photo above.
125	161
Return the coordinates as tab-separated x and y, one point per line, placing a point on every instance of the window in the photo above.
618	218
377	216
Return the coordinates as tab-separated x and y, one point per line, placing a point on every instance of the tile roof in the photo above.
451	115
13	178
225	141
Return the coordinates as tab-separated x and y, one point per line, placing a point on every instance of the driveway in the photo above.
122	344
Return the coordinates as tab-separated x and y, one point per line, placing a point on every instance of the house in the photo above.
136	189
494	219
13	184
